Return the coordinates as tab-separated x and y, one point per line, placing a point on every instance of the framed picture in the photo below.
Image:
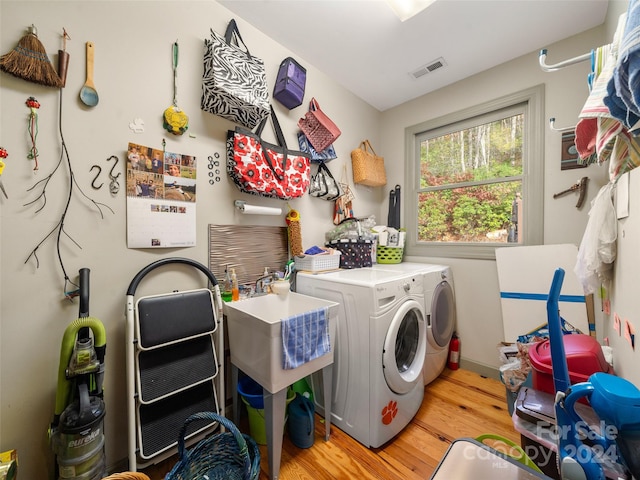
569	157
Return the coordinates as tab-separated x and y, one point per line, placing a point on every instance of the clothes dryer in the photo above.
440	311
379	353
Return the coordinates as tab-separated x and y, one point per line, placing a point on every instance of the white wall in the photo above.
623	291
134	78
476	282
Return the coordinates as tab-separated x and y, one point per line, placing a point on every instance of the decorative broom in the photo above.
29	61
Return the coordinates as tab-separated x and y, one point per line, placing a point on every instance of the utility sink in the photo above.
255	337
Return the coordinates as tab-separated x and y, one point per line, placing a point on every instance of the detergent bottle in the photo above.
235	290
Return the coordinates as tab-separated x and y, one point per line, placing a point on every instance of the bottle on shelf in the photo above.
235	291
227	294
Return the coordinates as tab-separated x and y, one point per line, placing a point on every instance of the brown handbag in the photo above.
368	168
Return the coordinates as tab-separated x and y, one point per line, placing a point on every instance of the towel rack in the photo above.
552	126
570	61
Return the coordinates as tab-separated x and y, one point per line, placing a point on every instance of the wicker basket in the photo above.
127	476
318	263
224	456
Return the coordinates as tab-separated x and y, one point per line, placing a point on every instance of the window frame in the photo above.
532	101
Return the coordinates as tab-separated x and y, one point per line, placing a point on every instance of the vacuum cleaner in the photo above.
76	433
582	451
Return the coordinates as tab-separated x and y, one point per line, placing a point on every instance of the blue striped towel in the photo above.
623	88
305	337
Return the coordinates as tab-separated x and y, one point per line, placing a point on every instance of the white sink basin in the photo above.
255	337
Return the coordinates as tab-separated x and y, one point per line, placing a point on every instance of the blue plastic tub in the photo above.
251	391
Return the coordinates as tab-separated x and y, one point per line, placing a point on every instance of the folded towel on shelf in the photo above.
305	337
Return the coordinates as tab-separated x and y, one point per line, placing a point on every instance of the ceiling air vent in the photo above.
428	68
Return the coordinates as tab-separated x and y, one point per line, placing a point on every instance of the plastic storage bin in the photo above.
534	419
584	357
388	255
317	263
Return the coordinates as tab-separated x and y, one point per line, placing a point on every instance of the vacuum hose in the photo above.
66	351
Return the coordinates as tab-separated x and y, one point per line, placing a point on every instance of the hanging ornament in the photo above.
175	120
32	128
3	154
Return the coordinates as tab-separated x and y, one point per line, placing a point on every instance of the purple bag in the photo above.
290	83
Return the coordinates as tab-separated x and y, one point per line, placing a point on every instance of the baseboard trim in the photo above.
480	369
119	466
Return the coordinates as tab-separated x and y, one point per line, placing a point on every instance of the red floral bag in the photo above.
265	169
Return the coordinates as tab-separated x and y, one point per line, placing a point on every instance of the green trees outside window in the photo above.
471	183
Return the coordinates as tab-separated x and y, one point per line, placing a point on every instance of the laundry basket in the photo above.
127	476
509	448
386	254
230	455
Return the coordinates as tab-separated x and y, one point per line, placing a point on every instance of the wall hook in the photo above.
111	176
580	186
93	182
114	186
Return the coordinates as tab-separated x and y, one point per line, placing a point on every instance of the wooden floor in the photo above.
458	404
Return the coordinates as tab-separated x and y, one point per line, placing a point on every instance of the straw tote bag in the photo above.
368	168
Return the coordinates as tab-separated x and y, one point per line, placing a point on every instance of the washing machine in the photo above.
379	352
440	311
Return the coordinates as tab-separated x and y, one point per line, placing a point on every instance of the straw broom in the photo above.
29	61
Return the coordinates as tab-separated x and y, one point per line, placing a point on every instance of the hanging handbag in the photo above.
368	168
290	83
325	155
323	185
393	218
234	84
318	128
343	208
266	169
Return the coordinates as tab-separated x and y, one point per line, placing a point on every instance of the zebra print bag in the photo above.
234	84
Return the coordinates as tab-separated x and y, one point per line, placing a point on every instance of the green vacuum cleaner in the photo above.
76	433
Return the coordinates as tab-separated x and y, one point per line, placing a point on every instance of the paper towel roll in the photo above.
258	210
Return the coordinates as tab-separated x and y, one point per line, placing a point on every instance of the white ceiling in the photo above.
364	46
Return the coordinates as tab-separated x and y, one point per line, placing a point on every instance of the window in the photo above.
474	179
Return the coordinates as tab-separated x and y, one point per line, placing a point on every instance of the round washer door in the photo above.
443	314
404	348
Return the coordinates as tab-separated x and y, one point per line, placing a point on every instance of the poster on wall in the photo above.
569	158
161	198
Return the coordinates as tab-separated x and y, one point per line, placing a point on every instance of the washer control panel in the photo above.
387	292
